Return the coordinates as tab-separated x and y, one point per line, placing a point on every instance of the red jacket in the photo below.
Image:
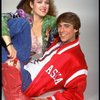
61	67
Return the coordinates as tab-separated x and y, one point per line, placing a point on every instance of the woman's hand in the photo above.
12	53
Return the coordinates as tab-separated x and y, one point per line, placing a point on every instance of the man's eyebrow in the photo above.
67	23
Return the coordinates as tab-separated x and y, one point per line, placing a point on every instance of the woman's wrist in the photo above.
9	44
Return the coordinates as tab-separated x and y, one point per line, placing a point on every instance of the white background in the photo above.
89	35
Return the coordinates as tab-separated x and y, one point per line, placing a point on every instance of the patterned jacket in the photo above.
48	22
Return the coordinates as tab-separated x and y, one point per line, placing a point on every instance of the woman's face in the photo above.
40	7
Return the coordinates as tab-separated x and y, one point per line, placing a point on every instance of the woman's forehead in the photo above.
42	0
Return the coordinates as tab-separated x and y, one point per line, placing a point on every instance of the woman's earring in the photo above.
31	12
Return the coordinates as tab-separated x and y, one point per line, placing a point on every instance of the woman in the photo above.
41	15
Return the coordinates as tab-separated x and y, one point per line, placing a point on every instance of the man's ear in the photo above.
75	30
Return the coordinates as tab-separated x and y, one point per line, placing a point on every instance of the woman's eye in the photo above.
39	2
47	2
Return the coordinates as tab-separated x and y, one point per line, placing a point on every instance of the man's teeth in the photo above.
63	34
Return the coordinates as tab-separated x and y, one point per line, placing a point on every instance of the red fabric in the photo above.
11	81
67	69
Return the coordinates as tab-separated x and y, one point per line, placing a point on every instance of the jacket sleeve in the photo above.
5	29
74	90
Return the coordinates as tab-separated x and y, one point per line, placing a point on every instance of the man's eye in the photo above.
59	26
66	25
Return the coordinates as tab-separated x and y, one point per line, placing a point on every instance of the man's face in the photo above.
66	32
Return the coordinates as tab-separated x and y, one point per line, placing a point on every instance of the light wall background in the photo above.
89	36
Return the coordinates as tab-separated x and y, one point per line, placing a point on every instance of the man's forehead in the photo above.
64	23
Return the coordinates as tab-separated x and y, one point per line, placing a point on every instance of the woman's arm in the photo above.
11	50
6	37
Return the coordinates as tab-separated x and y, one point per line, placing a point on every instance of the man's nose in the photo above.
61	29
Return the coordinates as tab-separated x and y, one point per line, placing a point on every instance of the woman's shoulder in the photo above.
21	13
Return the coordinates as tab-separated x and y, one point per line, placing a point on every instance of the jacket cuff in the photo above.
51	98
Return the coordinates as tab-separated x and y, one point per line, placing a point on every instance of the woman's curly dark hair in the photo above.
25	5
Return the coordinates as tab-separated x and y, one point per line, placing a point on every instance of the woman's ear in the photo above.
31	4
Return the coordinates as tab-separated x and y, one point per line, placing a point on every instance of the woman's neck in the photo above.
37	20
37	25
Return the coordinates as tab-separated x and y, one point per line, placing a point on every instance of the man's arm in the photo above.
73	91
